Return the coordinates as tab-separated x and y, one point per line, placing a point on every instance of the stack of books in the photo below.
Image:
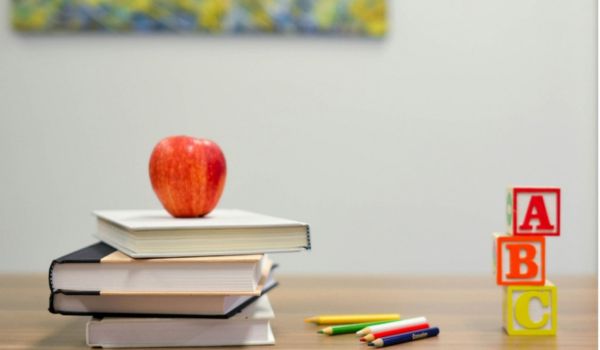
158	281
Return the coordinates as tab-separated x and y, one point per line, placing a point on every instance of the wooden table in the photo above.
467	310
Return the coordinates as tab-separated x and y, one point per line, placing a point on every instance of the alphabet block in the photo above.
533	211
520	260
530	310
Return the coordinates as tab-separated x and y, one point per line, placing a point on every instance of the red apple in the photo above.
187	175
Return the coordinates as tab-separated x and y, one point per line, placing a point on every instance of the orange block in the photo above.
521	260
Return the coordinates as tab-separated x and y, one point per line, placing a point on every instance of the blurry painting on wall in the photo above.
336	17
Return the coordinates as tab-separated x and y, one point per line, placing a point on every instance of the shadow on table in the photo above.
68	335
491	332
530	342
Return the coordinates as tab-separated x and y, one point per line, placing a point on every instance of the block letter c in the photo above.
522	309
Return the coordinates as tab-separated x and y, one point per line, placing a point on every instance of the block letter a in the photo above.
536	210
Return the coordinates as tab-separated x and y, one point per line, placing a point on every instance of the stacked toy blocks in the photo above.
530	300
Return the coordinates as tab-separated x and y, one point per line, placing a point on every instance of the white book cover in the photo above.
142	220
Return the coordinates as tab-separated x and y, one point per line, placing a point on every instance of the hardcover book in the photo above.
102	269
74	303
250	327
155	233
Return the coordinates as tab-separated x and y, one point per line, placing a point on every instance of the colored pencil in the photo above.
394	331
348	328
391	325
346	319
405	337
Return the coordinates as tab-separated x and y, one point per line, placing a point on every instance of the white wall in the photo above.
397	152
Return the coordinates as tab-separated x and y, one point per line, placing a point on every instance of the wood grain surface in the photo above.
467	310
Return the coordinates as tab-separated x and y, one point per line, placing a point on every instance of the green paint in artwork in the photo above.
509	200
336	17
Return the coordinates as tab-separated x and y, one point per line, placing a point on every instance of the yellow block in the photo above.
530	310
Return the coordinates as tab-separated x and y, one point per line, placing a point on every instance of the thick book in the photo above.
250	327
155	233
102	269
74	303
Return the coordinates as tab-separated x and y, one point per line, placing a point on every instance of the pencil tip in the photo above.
320	331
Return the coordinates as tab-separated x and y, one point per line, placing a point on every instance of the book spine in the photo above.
50	275
51	304
50	285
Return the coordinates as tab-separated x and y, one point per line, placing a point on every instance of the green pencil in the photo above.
349	328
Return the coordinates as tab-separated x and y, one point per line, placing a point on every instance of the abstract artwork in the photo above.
330	17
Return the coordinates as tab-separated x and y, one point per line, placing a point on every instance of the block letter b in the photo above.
521	260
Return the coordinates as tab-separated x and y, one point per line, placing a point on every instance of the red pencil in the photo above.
373	336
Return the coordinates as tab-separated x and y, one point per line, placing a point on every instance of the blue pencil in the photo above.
405	337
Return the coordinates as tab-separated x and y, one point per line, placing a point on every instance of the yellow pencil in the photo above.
346	319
